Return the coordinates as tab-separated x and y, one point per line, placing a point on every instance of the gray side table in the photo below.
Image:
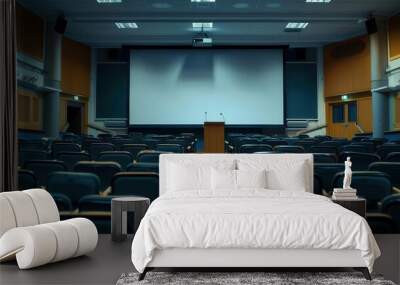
119	208
357	205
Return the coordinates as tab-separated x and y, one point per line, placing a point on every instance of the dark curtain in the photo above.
8	97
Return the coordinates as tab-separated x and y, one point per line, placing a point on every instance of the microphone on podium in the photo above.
222	115
205	116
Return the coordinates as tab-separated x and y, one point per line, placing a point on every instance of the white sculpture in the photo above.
347	174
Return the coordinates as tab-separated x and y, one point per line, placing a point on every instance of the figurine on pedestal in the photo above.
347	174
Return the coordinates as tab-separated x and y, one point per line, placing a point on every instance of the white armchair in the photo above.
31	230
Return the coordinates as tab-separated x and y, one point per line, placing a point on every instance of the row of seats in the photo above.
74	191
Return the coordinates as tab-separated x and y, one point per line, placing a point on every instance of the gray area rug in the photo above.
233	278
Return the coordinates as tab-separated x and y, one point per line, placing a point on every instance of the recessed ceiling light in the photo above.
318	1
197	25
125	25
240	5
202	1
109	1
296	25
161	5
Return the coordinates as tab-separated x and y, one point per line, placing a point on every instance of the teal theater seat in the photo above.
74	185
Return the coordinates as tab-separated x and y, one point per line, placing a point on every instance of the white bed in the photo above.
194	223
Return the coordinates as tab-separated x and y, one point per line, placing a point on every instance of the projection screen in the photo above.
190	86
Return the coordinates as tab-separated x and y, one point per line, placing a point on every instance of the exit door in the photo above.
342	120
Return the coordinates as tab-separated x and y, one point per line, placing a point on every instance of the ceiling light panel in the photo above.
108	1
202	1
318	1
125	25
296	25
198	25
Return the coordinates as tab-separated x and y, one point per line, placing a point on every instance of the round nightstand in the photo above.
119	208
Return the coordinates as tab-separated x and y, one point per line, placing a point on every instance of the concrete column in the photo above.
379	61
51	100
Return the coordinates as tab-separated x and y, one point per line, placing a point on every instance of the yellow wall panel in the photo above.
347	67
394	37
30	33
75	73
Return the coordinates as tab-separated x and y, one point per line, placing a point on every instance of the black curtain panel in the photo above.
8	97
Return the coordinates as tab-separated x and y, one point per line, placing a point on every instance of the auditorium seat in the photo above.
326	172
123	158
274	142
86	142
393	157
138	184
119	142
104	137
73	185
317	186
149	156
71	158
96	148
170	147
390	168
369	145
63	147
288	149
376	141
371	185
323	138
358	139
381	223
360	161
386	149
26	179
43	168
324	149
252	148
152	143
33	145
70	137
104	170
306	144
356	148
391	205
143	167
27	155
134	149
338	144
325	158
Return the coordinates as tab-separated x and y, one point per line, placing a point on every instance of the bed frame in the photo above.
242	259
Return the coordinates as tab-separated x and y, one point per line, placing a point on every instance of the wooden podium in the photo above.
214	137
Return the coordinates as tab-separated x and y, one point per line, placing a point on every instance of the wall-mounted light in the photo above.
345	97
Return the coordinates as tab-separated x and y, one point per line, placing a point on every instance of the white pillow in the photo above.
282	174
189	176
236	179
251	178
223	179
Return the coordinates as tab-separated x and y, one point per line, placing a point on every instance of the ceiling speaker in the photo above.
370	25
61	24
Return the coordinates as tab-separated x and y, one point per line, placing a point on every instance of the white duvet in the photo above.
250	219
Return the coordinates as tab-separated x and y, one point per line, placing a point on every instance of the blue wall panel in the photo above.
301	91
112	90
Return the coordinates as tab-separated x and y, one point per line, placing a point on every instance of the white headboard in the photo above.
204	159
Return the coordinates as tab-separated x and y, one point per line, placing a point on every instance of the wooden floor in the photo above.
110	259
103	266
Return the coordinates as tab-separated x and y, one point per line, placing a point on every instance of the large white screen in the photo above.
177	86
